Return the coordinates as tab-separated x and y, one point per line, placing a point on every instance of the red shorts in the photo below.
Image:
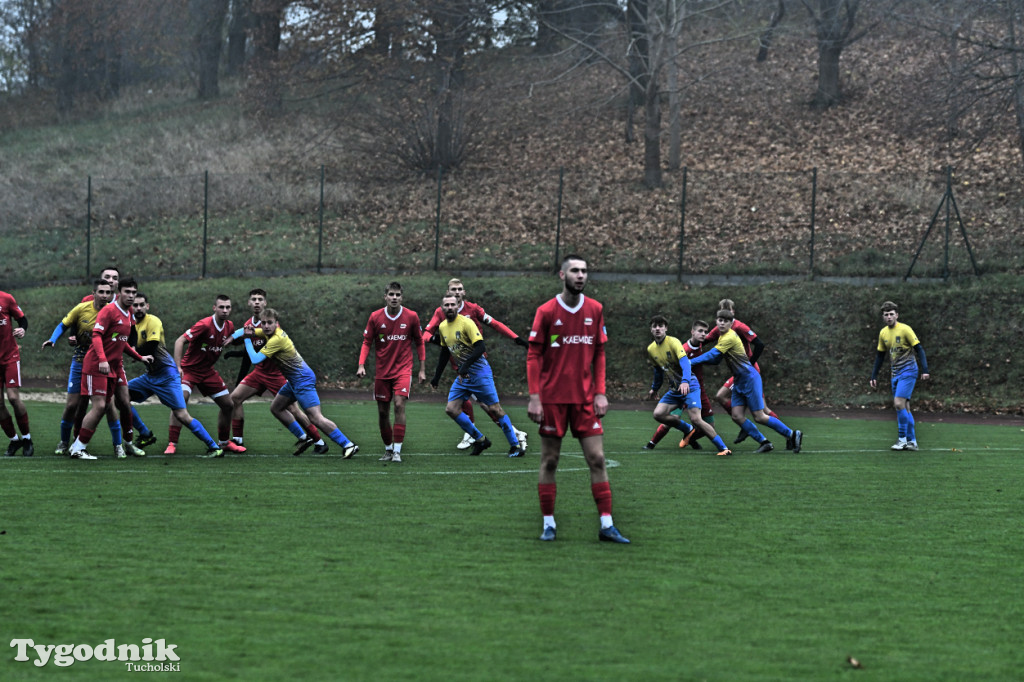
99	384
10	372
581	419
206	382
261	380
384	390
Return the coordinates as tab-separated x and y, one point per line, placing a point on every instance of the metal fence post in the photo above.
814	204
206	205
88	229
437	219
682	226
558	215
949	195
320	244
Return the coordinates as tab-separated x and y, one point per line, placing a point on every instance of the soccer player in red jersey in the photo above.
480	317
110	275
753	347
394	331
10	373
266	376
206	339
565	369
103	376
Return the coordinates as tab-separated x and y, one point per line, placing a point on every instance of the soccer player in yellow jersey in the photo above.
901	344
79	322
667	355
747	391
461	339
301	386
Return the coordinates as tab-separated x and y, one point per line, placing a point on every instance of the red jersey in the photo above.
109	340
473	312
565	363
9	311
394	339
742	330
698	370
205	342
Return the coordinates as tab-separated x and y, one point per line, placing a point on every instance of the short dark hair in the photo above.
111	267
889	306
699	323
139	294
99	282
127	283
659	320
397	286
726	314
223	297
569	257
448	294
257	292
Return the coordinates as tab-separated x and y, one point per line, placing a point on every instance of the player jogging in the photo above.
461	339
394	331
901	344
565	370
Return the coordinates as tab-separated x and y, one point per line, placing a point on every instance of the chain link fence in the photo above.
807	223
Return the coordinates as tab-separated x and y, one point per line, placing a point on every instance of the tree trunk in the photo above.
241	11
652	136
208	17
828	94
675	105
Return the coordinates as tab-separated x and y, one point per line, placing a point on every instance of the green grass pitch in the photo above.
265	566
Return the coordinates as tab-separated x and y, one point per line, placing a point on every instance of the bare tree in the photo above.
208	22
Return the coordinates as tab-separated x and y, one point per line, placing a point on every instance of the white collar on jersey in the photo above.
574	309
400	309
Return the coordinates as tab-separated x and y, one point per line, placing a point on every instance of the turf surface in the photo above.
265	566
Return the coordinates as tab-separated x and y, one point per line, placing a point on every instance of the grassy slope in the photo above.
820	337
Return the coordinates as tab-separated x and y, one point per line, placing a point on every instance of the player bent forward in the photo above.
565	369
461	339
301	386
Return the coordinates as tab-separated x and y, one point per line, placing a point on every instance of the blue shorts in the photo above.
481	386
301	389
687	402
75	376
903	385
748	392
165	386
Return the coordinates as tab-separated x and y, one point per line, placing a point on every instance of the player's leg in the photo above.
174	427
467	409
239	395
96	388
487	395
587	428
457	396
10	375
664	412
213	449
739	415
222	399
127	419
902	389
708	430
550	451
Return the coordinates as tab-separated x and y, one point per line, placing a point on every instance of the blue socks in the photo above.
201	433
468	426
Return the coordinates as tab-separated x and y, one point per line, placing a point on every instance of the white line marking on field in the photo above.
393	470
